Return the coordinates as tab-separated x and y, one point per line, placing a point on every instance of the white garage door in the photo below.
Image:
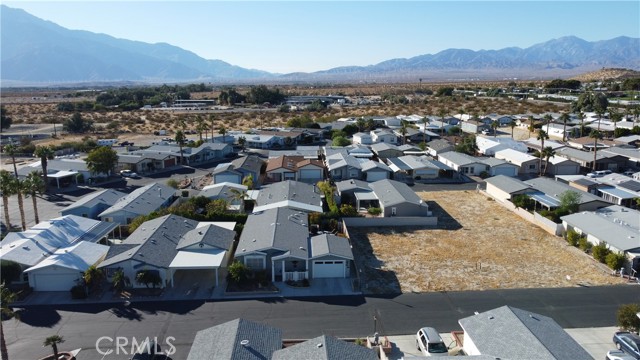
54	282
507	171
226	178
310	174
376	175
328	269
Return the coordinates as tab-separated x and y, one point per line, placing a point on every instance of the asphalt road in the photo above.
303	318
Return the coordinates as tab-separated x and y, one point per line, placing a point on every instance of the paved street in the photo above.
302	318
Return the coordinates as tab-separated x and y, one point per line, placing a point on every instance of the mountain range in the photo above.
39	52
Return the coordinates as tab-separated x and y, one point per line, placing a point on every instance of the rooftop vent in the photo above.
319	345
244	343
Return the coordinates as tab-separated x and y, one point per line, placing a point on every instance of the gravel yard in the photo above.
478	245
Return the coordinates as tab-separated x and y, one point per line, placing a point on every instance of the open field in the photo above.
477	245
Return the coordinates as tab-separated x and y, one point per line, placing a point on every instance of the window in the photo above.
85	215
532	166
255	262
393	211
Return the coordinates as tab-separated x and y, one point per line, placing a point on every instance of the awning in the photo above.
198	259
618	193
360	196
545	199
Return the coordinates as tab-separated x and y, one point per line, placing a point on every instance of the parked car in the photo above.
627	342
618	355
429	342
126	143
594	175
129	174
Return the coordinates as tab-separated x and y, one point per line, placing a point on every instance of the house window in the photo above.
255	262
85	215
393	211
108	219
532	166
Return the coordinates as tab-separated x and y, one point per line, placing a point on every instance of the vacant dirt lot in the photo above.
477	245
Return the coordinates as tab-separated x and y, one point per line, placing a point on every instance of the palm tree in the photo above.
6	298
360	123
45	153
12	150
564	117
595	135
248	182
403	131
181	140
615	117
6	187
53	341
93	277
494	126
542	136
242	141
547	118
33	185
547	153
581	116
212	123
223	132
425	121
17	187
200	126
512	125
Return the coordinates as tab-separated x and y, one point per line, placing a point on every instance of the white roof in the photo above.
289	204
229	184
76	257
229	225
513	156
198	259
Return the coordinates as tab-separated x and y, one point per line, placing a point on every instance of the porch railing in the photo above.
295	275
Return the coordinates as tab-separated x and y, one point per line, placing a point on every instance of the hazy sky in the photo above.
291	36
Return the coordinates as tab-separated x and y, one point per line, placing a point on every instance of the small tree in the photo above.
103	159
615	261
584	244
172	183
93	277
347	210
628	318
238	271
600	251
569	201
573	237
10	271
147	277
53	341
76	124
119	280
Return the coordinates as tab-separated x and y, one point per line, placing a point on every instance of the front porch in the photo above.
286	268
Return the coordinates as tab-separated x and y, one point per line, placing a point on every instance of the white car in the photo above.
618	355
429	342
129	174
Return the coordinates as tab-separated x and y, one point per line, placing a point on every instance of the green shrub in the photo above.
600	252
10	271
583	244
78	292
484	175
627	318
238	271
615	261
173	183
347	210
374	211
573	237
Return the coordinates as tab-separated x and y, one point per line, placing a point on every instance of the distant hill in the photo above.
39	52
608	74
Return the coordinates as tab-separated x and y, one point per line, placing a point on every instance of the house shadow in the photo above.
126	312
38	316
338	300
178	171
372	278
445	220
173	307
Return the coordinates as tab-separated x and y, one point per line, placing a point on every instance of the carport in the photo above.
366	200
204	259
63	174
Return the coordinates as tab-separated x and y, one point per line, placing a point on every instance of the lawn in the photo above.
478	245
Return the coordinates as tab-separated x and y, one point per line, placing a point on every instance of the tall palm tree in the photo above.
200	126
547	153
6	298
181	140
45	153
494	126
595	135
53	341
564	118
512	125
12	151
6	187
615	116
425	121
212	124
360	123
33	185
403	131
542	136
223	132
18	189
581	116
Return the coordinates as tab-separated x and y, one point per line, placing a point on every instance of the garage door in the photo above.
376	175
507	171
226	178
54	282
310	174
328	269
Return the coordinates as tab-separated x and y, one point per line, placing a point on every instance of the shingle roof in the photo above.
143	200
325	348
617	225
222	190
632	185
210	234
352	184
371	165
154	241
283	229
515	157
459	159
287	162
328	244
79	256
105	198
289	190
249	163
391	192
555	189
225	341
530	336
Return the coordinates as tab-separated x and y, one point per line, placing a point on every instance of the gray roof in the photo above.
226	191
281	228
377	147
224	341
409	147
632	185
328	244
585	156
412	162
631	154
371	165
225	167
209	234
555	189
143	200
391	192
249	163
459	159
617	225
325	348
352	185
105	198
496	162
338	160
584	182
154	242
149	154
530	336
289	190
507	184
306	153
